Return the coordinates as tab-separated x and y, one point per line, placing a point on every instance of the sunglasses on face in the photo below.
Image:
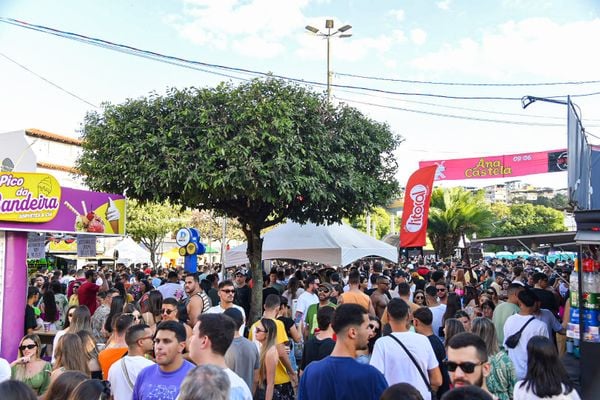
373	326
165	311
419	297
258	330
466	367
323	290
27	346
228	291
441	289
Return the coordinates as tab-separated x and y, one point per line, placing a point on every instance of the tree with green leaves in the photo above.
150	222
381	219
261	152
456	214
526	219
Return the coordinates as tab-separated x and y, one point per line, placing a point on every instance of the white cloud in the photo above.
399	36
444	5
398	14
418	36
263	24
537	46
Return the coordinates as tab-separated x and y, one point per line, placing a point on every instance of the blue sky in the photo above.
502	41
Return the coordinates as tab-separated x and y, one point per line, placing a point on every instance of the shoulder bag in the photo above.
513	340
412	358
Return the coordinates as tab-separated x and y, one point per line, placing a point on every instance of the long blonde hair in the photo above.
20	369
271	333
71	355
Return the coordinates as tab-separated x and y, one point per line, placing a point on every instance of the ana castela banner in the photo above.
504	166
36	202
413	232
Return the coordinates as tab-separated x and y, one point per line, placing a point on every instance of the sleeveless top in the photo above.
206	303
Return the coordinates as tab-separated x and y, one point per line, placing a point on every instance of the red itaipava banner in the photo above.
416	207
504	166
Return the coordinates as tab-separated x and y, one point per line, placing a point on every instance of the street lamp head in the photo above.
311	29
329	23
345	35
345	28
527	100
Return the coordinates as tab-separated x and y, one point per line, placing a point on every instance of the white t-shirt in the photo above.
4	370
391	359
521	393
239	390
305	300
58	335
220	310
119	385
518	355
438	314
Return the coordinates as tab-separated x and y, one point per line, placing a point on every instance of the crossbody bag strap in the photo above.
412	358
526	323
127	378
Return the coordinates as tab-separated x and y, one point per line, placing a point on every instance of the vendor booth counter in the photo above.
33	204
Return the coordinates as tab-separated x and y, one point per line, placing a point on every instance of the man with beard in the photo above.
467	360
381	296
340	376
197	301
324	293
163	379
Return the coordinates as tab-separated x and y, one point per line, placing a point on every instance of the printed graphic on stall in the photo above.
28	197
37	202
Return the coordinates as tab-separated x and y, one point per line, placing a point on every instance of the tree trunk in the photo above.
254	253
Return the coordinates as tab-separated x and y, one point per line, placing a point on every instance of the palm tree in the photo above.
454	214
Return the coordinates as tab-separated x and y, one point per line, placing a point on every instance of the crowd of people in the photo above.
420	329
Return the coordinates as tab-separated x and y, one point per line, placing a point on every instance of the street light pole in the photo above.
328	36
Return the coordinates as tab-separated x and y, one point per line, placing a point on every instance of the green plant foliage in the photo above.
150	222
260	152
378	216
454	214
526	219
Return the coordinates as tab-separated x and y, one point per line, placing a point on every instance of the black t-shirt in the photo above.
315	350
243	298
288	323
269	290
547	299
440	355
30	321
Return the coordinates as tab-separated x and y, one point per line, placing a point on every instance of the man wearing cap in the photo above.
381	297
399	277
243	293
324	292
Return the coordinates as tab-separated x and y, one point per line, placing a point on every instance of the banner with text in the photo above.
413	231
36	202
504	166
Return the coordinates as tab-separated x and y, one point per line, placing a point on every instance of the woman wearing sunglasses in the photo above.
419	298
29	368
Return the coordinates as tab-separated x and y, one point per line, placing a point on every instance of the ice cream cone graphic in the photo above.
113	215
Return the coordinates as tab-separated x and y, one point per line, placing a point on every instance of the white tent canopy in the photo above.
335	244
129	252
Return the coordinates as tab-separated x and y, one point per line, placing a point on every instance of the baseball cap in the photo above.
327	286
402	274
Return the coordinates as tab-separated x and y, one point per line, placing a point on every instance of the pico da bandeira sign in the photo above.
28	197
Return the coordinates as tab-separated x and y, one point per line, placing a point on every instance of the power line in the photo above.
48	81
455	107
451	115
376	78
179	61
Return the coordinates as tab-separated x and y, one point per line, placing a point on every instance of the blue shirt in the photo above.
341	378
154	384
